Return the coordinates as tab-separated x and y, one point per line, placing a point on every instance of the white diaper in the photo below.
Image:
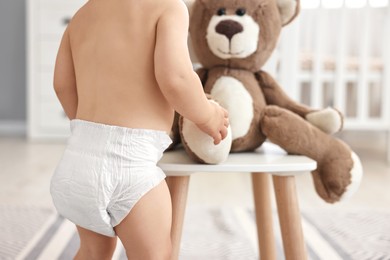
104	171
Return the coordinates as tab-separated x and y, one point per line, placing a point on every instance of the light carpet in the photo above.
208	234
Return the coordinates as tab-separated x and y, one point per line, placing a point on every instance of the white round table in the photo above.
262	163
269	158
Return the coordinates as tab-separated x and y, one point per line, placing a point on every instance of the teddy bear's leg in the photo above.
339	170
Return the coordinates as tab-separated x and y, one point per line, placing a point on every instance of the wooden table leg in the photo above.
289	218
263	208
178	187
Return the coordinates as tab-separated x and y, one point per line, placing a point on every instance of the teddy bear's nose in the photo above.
229	28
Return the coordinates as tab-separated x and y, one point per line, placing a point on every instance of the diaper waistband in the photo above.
99	135
114	128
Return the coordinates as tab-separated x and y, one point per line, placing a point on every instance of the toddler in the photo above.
122	69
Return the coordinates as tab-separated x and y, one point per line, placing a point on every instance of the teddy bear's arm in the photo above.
275	95
328	120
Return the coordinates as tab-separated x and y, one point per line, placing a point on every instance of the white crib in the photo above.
340	57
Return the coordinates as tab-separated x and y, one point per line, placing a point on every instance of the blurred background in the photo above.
336	54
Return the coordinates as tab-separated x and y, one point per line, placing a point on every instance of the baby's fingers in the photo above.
217	139
225	113
226	122
224	132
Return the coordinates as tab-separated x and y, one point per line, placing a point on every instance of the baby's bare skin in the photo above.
126	63
112	57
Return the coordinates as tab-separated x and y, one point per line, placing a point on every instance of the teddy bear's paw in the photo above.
272	111
201	147
271	123
329	120
356	178
270	118
337	182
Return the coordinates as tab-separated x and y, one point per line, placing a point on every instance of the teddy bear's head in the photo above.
238	33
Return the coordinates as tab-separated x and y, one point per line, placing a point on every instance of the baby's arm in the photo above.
178	82
65	79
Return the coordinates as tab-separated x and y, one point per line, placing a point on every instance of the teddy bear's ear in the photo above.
189	4
288	9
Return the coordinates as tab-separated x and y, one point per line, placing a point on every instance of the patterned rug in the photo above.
209	234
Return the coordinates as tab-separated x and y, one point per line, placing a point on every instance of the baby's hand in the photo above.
217	125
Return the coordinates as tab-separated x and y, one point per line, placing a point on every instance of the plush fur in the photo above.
232	39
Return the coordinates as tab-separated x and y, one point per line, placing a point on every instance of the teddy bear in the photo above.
232	40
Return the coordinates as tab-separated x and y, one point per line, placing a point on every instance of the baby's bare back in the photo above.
113	45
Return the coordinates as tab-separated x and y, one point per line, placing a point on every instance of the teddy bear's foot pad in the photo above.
334	183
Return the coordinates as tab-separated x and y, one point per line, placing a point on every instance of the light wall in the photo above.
12	64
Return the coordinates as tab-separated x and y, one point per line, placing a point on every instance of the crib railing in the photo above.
340	57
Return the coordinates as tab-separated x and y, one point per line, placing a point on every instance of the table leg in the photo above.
263	209
289	217
178	187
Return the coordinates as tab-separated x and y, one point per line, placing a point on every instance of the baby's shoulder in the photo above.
162	5
174	8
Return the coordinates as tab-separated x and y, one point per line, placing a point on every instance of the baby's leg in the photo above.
145	231
94	245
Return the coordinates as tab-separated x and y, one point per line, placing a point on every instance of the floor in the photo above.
26	168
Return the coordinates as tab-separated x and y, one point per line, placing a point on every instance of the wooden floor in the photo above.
26	168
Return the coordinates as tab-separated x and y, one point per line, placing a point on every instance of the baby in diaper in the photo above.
122	69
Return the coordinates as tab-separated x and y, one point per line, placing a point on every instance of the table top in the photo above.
269	158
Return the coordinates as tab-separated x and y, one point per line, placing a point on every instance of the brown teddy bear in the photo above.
232	39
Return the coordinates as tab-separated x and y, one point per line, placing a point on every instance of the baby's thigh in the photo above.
145	231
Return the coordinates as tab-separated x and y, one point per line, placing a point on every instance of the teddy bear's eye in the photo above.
221	11
240	11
